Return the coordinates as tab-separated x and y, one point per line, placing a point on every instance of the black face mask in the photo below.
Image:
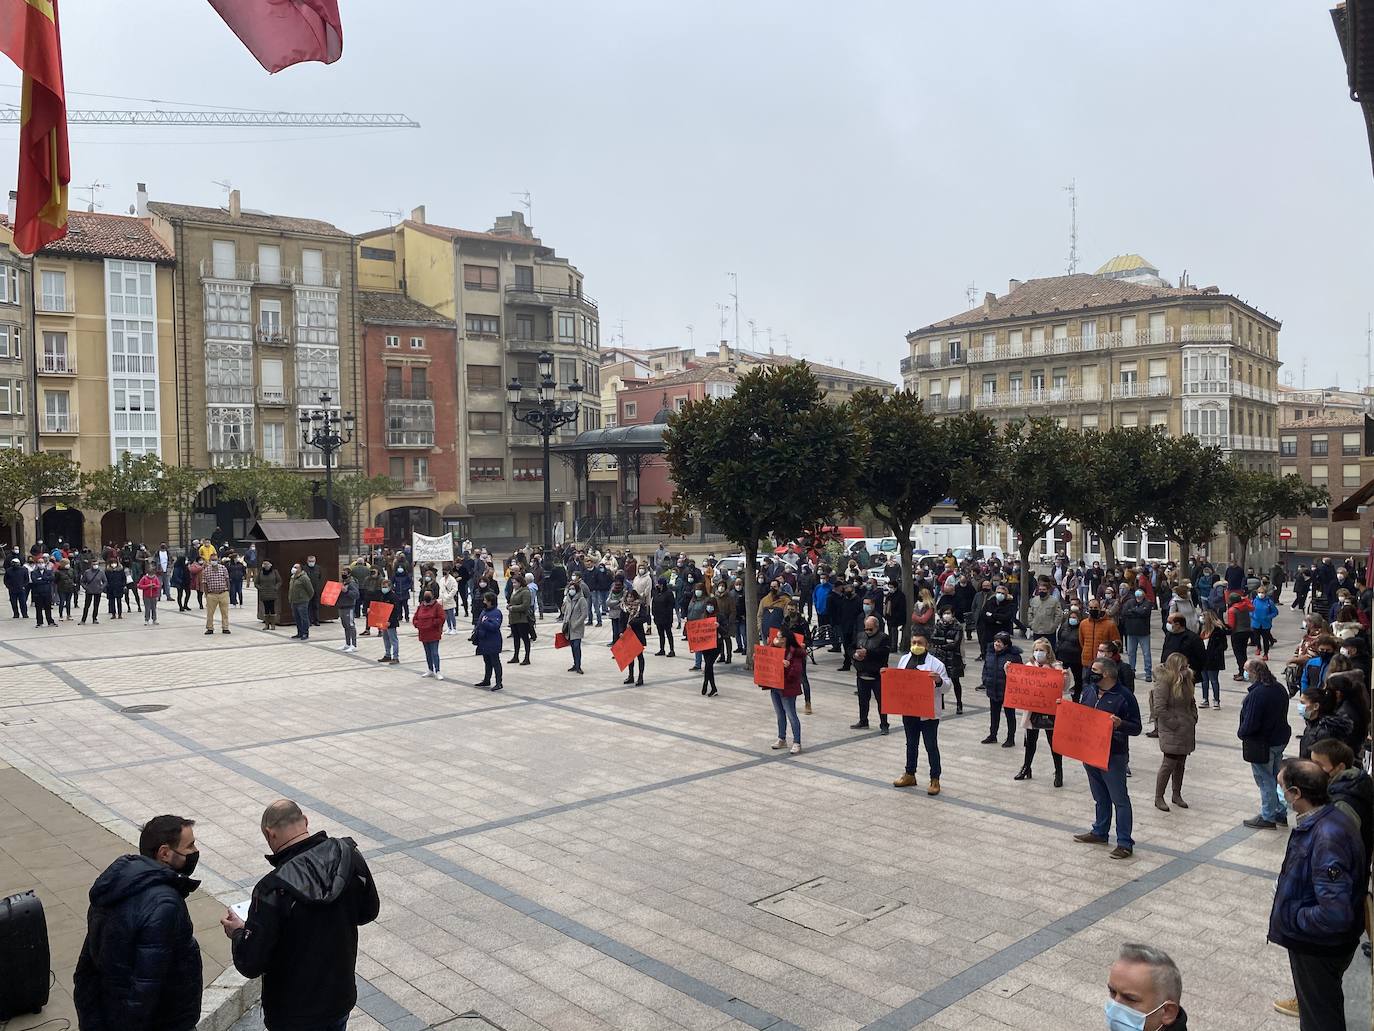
192	858
1093	677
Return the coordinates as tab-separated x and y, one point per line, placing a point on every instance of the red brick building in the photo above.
410	398
1325	450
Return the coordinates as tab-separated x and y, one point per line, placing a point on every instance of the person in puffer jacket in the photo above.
140	967
1001	652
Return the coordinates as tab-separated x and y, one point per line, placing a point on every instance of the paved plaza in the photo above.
573	853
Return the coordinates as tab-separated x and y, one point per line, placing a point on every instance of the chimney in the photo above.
14	206
234	208
141	201
417	215
1013	284
724	352
988	298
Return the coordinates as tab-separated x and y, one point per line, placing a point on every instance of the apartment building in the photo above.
511	297
16	354
1299	403
1120	347
411	406
266	315
103	365
1325	450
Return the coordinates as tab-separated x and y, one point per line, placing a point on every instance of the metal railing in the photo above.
1155	386
59	304
410	438
1071	344
59	422
550	291
274	455
58	363
278	336
407	392
1202	332
1041	396
1233	387
220	459
418	485
274	395
936	403
269	275
932	361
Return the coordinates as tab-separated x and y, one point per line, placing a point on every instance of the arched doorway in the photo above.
216	518
399	523
114	528
63	525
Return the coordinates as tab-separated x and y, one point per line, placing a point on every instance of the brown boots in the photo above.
1170	768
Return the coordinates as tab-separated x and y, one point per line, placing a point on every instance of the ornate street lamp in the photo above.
326	430
546	416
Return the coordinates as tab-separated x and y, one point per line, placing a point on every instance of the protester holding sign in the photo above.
916	728
1102	693
785	698
1035	688
706	657
346	598
636	623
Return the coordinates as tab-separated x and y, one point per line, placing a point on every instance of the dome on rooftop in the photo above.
1133	268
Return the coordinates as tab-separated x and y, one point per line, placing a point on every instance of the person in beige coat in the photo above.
1173	707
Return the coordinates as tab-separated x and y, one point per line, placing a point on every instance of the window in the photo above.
1014	384
728	390
1059	378
230	432
55	355
524	327
133	384
57	417
1088	330
271	385
9	285
5	397
1130	419
409	424
1288	446
317	371
485	422
223	258
10	442
1317	477
527	373
480	277
420	466
1319	444
631	409
393	381
1037	381
486	470
377	253
417	343
419	382
567	329
269	322
524	472
524	277
484	377
1014	343
1350	474
228	312
393	341
317	316
1128	378
10	339
1288	470
1158	331
567	370
1159	374
483	325
1159	419
1350	444
1350	538
269	263
274	443
1128	337
1319	536
679	403
312	267
1089	422
989	384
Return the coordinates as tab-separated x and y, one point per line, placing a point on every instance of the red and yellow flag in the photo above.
29	37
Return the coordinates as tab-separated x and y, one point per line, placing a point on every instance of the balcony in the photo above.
407	392
59	422
417	485
1195	333
1227	388
1155	386
276	336
932	361
547	295
274	455
328	277
531	344
268	275
232	459
274	396
58	363
1041	396
1071	345
1246	442
231	271
55	304
937	404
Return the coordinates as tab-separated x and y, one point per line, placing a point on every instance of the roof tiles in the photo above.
94	234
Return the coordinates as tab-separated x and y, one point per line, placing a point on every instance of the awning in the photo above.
293	530
1348	511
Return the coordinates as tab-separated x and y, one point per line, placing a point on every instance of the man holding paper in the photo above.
916	728
1102	692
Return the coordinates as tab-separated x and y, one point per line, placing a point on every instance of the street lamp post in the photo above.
545	417
329	432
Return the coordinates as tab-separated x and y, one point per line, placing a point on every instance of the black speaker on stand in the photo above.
24	955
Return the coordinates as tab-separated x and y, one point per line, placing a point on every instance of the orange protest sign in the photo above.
1083	733
701	635
329	593
768	667
379	614
626	648
907	692
373	535
1033	688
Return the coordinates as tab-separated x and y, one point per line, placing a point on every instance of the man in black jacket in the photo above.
1178	638
301	936
871	652
140	965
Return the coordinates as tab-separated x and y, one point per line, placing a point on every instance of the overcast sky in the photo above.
858	165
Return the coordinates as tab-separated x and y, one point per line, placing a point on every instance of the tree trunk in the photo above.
751	598
905	548
973	534
1023	603
1108	548
1244	548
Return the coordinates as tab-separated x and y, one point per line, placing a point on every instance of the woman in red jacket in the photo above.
428	622
785	699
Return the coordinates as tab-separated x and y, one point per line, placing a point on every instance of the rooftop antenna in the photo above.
691	337
224	184
1303	384
526	202
753	335
769	331
724	310
1072	189
91	189
734	279
391	216
787	345
1369	349
971	294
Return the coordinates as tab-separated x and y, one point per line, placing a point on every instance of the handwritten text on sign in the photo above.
1083	733
701	635
908	692
768	667
379	614
1033	688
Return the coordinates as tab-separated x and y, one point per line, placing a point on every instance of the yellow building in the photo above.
104	357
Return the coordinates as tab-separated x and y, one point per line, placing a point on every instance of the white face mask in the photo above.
1041	655
1121	1017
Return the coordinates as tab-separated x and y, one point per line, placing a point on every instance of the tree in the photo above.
180	486
774	457
353	490
1038	468
674	516
974	451
1122	466
1192	487
25	477
1255	497
262	486
133	485
905	471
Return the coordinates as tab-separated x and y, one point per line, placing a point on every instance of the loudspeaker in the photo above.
23	955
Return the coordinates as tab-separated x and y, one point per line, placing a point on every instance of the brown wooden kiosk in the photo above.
288	541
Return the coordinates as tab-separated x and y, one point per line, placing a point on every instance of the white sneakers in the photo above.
351	648
427	673
343	647
779	744
795	749
438	676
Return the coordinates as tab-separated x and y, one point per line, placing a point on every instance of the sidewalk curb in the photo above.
230	995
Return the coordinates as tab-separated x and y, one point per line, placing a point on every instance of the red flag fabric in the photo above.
29	37
280	33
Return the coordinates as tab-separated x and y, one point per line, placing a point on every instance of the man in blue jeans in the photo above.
1102	692
1264	733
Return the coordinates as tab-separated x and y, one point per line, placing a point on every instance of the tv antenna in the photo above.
526	202
724	311
971	294
1072	189
91	189
224	184
753	335
734	279
391	216
691	337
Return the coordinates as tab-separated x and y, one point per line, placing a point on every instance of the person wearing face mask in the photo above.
725	616
390	634
871	652
1322	718
1350	787
402	581
1264	733
1095	631
1315	670
269	591
795	623
662	605
615	606
140	965
917	729
316	576
947	641
486	639
1178	639
428	622
574	613
1000	653
1110	795
520	612
706	660
696	609
298	594
1137	612
1042	655
1046	614
1173	707
1318	908
1144	991
1068	649
637	622
1262	623
346	603
772	609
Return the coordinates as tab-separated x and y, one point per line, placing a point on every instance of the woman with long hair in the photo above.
1042	655
1173	706
1214	635
637	621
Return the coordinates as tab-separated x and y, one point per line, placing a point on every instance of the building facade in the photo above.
1119	347
511	298
267	321
1325	450
411	414
103	365
16	350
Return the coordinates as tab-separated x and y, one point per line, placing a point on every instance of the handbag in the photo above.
560	640
1254	750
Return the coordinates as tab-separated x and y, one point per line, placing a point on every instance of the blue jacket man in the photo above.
1101	691
821	598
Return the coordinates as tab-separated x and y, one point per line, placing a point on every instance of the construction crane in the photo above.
9	114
